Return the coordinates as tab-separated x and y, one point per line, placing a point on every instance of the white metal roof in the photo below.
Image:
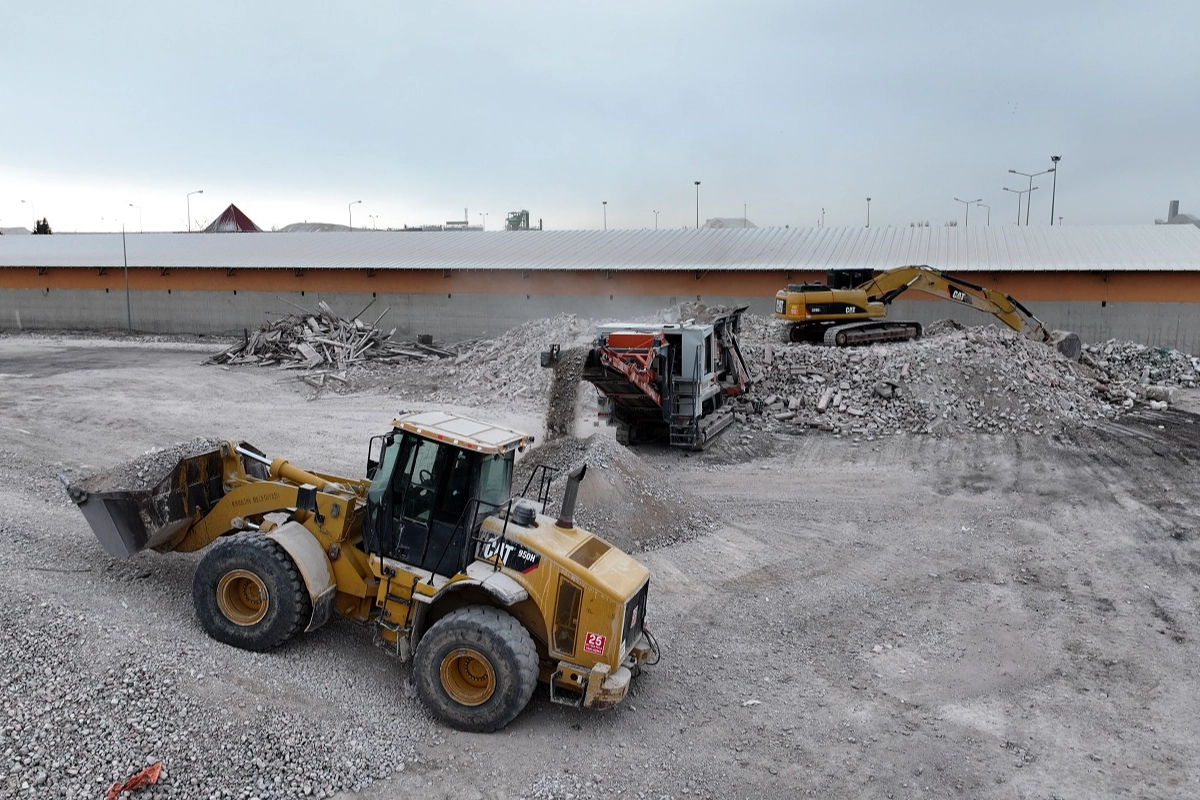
1107	248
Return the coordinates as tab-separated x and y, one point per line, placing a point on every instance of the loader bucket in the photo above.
129	521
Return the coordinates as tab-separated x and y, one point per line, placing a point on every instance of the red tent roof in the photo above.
232	220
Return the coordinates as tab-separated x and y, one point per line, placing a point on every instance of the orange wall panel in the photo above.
1025	286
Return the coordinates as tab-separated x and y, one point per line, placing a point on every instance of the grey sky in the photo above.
292	110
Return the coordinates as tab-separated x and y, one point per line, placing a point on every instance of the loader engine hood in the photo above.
522	548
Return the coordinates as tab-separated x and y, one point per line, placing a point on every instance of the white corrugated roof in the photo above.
987	249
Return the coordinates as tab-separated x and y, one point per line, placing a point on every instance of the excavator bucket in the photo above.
129	521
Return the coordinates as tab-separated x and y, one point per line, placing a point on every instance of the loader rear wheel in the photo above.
476	668
248	593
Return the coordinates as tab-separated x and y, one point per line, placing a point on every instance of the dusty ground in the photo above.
980	616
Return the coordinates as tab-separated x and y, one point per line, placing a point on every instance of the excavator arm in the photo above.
887	286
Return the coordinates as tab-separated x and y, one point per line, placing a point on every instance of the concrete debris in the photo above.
1129	373
953	380
508	366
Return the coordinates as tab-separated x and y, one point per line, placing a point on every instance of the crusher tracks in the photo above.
856	333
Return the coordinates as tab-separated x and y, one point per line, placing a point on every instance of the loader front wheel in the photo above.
248	593
476	668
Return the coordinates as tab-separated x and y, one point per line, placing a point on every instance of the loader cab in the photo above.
434	478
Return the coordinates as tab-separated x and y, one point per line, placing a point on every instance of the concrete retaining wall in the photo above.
457	316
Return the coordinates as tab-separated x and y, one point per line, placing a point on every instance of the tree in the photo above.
42	226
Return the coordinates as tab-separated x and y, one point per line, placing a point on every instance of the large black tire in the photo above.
476	668
248	593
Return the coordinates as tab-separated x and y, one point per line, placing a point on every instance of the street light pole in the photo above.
1018	193
655	220
373	218
605	204
697	205
189	207
989	208
1031	176
350	210
141	228
967	203
1054	190
868	212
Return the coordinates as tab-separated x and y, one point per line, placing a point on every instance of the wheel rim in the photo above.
840	338
468	677
242	597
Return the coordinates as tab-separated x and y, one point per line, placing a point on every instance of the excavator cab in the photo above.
430	489
848	278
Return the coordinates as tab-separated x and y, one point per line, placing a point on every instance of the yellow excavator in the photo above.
851	307
481	590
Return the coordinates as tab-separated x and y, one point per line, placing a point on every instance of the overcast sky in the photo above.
293	110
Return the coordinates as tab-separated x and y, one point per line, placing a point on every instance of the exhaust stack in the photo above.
566	516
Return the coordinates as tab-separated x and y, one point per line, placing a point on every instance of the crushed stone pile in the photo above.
623	499
953	380
147	470
508	366
1129	373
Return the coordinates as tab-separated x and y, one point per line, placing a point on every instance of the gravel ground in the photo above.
984	615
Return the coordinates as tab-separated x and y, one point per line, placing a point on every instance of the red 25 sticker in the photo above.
594	643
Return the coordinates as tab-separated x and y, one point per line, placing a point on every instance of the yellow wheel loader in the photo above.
481	590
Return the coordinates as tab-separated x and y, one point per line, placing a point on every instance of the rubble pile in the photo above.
508	366
1129	373
323	339
147	470
983	379
622	498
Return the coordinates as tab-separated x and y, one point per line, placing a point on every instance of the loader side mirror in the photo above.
374	454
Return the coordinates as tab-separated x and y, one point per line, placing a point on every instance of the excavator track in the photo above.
856	333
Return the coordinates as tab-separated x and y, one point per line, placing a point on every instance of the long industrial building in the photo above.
1138	282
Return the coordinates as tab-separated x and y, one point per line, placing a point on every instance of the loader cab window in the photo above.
378	534
452	501
495	481
417	480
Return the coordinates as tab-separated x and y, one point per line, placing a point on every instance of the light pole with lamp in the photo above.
697	204
141	228
604	203
483	220
1031	176
1018	193
189	207
655	220
350	210
1054	189
968	203
868	212
989	208
373	218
